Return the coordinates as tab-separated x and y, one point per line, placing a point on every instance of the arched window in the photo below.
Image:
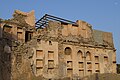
88	56
80	55
68	52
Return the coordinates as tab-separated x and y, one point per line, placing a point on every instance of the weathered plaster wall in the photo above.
56	51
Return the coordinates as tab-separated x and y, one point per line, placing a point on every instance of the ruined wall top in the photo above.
69	31
82	33
29	17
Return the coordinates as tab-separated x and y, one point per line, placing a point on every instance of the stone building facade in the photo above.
55	49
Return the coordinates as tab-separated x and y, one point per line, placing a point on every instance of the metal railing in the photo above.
43	22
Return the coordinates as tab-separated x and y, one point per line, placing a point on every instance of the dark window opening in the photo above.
114	61
28	36
19	35
39	40
7	29
97	71
50	43
68	51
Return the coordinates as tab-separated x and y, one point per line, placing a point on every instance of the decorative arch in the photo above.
88	56
80	55
68	52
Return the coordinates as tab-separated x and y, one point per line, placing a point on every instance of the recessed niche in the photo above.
80	55
97	71
39	70
88	56
81	73
69	72
68	53
50	55
39	63
69	64
89	65
97	66
19	35
89	72
105	59
39	53
50	63
96	58
80	64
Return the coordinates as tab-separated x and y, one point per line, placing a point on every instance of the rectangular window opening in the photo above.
51	55
96	58
69	64
39	70
80	64
39	63
69	72
39	54
50	64
28	36
81	73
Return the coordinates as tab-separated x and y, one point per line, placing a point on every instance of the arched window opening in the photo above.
80	55
68	52
88	56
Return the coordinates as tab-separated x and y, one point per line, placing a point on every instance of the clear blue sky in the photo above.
101	14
